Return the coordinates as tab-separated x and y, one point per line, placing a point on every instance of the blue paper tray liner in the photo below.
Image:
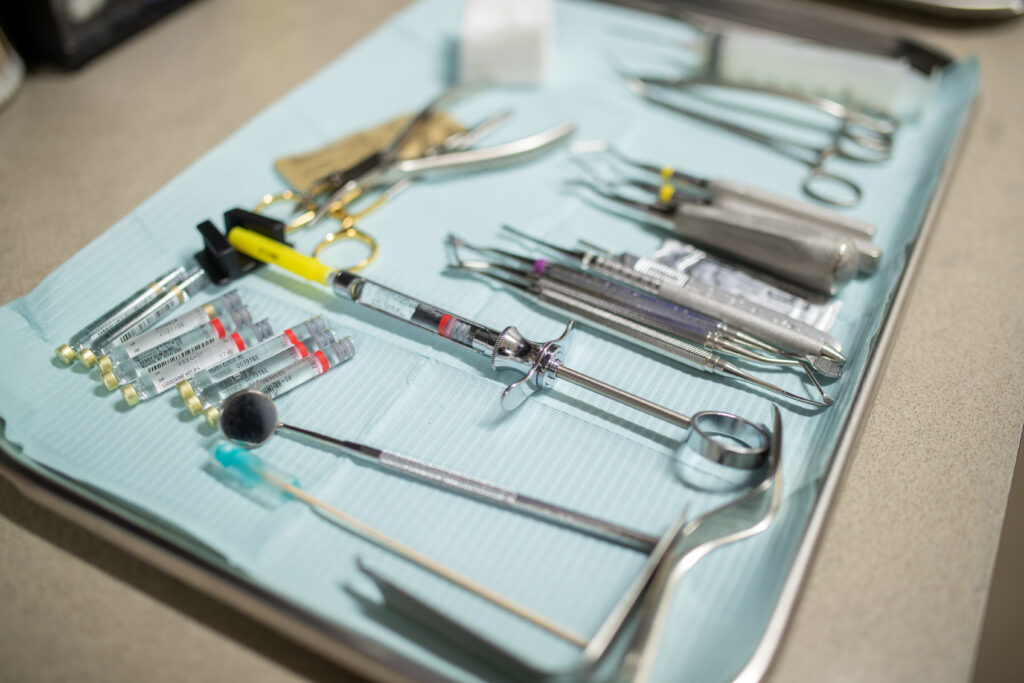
413	393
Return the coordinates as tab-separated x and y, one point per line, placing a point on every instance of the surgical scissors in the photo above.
385	166
871	136
347	220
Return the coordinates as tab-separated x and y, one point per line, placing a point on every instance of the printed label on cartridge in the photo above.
292	376
254	374
194	360
385	300
169	353
117	317
141	325
122	314
165	331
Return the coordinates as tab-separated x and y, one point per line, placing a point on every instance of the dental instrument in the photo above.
775	235
507	348
670	337
676	187
776	329
348	231
249	418
254	473
821	184
385	167
614	652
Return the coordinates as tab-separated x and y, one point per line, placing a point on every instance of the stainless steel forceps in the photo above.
808	245
859	136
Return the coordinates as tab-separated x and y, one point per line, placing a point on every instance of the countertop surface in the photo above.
898	587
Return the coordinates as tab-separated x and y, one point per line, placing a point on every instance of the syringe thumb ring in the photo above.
727	439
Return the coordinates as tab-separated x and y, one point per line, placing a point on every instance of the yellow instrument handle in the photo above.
271	251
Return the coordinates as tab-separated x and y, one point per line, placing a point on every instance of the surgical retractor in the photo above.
507	348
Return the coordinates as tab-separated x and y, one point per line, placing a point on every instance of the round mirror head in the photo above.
248	417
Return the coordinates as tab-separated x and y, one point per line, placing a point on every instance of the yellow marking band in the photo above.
178	293
666	193
667	172
155	287
271	251
210	311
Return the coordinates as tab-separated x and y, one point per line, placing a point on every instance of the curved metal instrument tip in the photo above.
823	402
832	353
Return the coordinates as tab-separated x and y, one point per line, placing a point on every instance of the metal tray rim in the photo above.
763	658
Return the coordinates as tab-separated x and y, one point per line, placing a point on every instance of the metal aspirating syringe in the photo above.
508	348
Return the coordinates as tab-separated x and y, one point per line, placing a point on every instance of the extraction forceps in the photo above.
639	318
686	192
810	246
849	141
719	436
782	332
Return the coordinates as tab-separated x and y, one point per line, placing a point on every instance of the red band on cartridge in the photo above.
290	336
443	325
238	341
218	328
301	348
321	361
